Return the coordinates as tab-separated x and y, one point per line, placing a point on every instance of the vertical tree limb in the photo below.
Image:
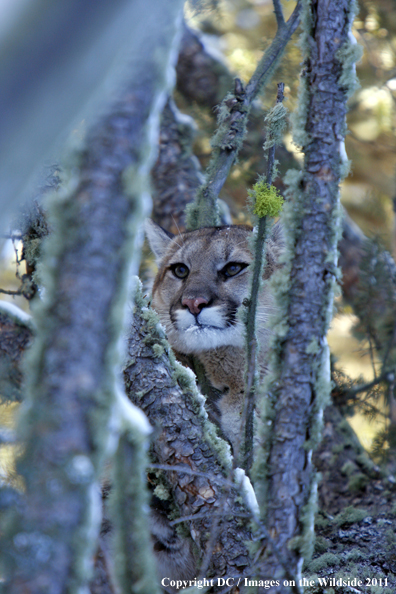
132	562
48	541
300	382
276	121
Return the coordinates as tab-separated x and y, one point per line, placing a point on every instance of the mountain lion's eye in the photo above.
233	268
180	270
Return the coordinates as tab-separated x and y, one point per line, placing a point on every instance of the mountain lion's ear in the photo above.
158	238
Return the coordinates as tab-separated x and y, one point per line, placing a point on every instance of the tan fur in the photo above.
221	349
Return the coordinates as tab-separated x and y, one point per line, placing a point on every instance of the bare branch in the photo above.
233	117
278	13
251	341
186	470
10	292
204	515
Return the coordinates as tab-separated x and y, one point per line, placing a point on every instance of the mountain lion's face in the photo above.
202	280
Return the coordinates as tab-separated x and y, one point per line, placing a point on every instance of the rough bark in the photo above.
356	522
15	337
176	175
346	467
186	440
201	77
48	541
301	382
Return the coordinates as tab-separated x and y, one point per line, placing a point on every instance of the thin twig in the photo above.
204	516
283	562
210	546
278	13
272	54
251	341
175	468
228	143
12	236
389	347
6	292
366	387
371	353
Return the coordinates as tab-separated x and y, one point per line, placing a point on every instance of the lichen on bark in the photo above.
199	462
49	539
299	382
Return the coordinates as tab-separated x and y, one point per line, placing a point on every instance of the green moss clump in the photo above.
267	200
321	544
313	347
348	55
358	482
204	211
321	522
354	555
158	350
349	468
338	448
367	465
276	122
350	515
326	560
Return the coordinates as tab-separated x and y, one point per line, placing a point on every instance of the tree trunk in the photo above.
48	541
300	382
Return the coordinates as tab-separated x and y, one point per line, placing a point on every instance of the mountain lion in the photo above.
203	280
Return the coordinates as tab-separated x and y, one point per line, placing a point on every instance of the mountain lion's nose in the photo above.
195	305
